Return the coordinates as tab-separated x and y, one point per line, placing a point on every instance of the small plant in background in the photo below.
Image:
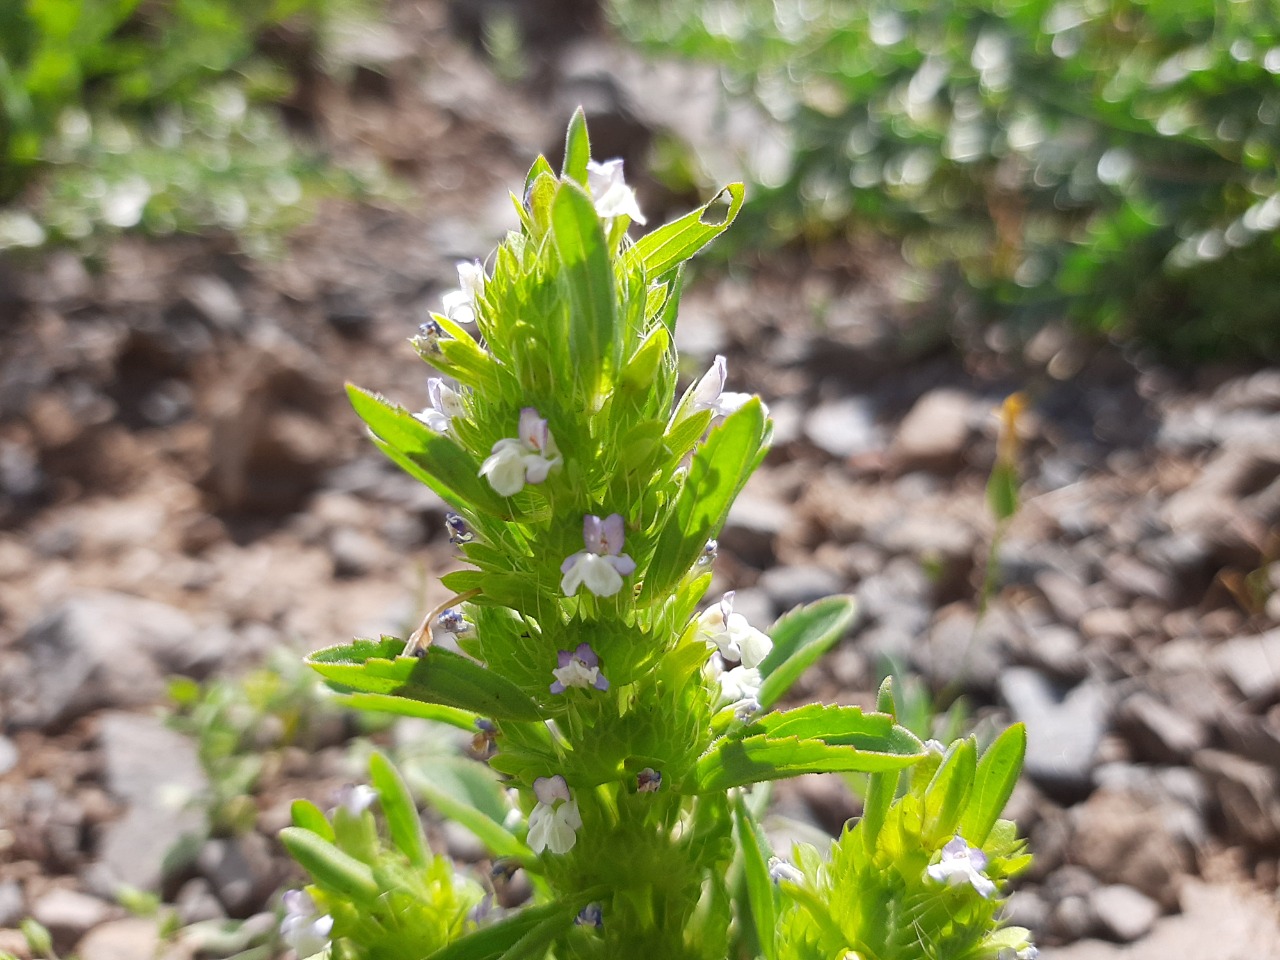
119	115
1115	161
627	729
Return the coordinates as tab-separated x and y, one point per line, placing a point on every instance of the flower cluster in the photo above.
527	458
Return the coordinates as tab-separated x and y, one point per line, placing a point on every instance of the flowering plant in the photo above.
628	732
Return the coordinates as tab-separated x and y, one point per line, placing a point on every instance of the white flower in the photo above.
602	565
736	639
610	193
460	305
780	870
304	928
445	405
528	459
709	393
1029	952
356	799
555	817
962	863
739	686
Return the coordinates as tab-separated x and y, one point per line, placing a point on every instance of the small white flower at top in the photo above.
740	687
710	394
609	191
578	668
602	565
961	864
780	870
304	927
460	305
526	459
445	405
555	818
357	798
1029	952
735	638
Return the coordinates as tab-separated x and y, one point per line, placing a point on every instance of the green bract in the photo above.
586	493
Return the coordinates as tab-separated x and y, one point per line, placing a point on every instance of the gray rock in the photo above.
1157	732
354	552
1258	391
127	939
962	650
8	756
844	427
68	914
1248	794
214	300
12	906
241	871
1066	596
1123	913
753	524
756	605
1252	737
1057	651
157	773
898	602
1136	579
1072	918
101	649
789	587
1252	663
196	902
1064	728
1124	836
934	435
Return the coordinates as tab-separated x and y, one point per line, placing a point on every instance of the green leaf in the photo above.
840	726
719	469
500	841
733	762
577	148
947	794
494	940
588	284
403	707
310	817
329	866
760	890
800	638
403	822
428	456
540	167
439	676
993	782
1002	490
669	246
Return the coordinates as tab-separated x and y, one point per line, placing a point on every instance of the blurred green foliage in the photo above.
1117	161
158	114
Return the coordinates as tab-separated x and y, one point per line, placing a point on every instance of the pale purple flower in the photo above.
780	870
445	405
452	621
592	915
459	530
740	687
579	668
735	638
602	565
709	394
428	338
304	927
526	459
709	553
648	780
555	818
356	798
960	864
460	304
609	191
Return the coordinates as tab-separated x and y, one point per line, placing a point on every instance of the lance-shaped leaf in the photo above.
403	707
735	762
669	246
761	900
587	282
993	783
308	816
403	822
577	148
800	638
717	473
497	939
430	457
947	794
841	726
439	676
329	866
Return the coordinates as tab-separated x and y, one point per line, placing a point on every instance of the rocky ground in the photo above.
184	492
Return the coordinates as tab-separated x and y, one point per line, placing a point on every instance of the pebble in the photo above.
1123	913
1252	663
8	758
754	523
12	904
1064	728
934	435
196	902
354	552
129	939
241	871
1248	795
844	427
69	914
1157	732
791	586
